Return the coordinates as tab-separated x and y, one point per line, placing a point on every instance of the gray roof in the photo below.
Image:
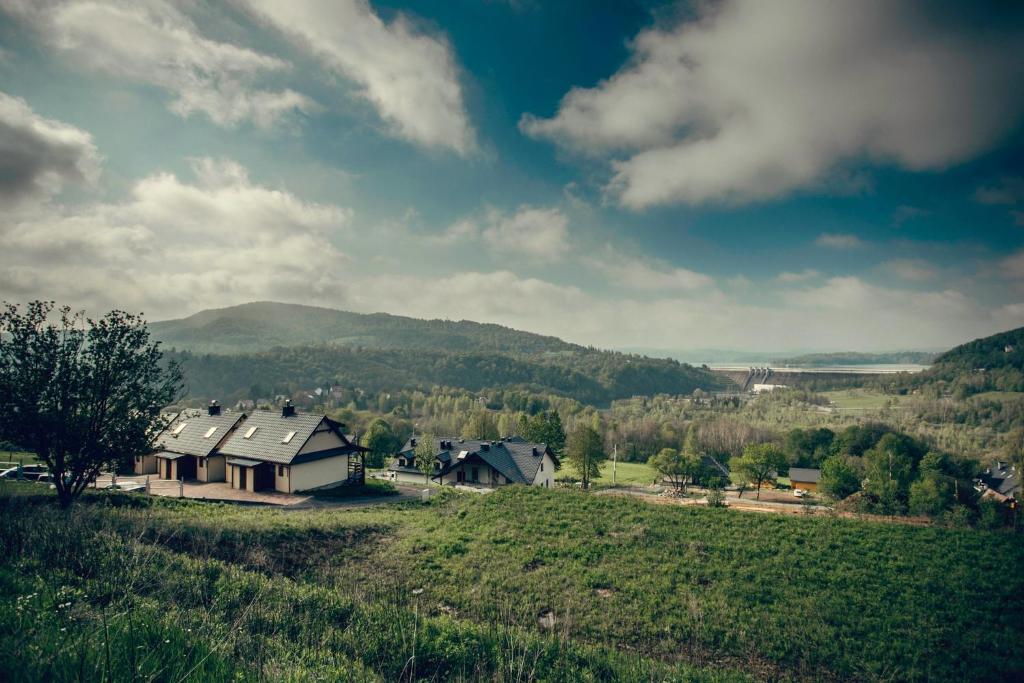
192	439
266	443
1002	478
808	475
514	458
243	462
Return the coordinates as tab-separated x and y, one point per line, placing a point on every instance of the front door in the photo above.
241	478
167	469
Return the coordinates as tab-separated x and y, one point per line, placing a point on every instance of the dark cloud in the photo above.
38	156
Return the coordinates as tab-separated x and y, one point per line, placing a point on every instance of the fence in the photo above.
158	487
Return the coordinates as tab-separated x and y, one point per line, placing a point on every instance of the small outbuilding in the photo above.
804	478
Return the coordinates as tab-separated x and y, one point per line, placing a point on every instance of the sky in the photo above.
783	176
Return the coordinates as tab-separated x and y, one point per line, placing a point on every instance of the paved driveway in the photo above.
222	491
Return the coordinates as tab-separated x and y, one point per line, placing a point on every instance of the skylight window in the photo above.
249	432
288	437
209	432
177	430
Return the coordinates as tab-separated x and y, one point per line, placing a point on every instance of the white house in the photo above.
480	463
290	452
189	447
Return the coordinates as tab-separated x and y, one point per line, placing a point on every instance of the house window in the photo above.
476	474
202	462
177	430
542	467
280	470
288	437
401	462
249	432
209	432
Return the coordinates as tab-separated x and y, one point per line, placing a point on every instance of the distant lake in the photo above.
879	368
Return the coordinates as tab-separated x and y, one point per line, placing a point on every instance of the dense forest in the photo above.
589	376
995	363
261	326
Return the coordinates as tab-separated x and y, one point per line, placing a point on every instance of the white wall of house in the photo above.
318	473
144	464
545	473
484	475
210	469
322	440
282	478
234	477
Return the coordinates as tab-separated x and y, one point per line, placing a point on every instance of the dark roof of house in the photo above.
192	439
514	458
1002	478
807	475
266	444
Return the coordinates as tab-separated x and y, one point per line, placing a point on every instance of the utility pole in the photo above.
615	460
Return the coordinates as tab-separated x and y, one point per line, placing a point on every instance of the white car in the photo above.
127	487
30	472
799	493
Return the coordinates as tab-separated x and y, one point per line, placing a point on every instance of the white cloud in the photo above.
755	100
153	42
411	78
174	246
641	275
538	232
838	241
791	277
39	155
843	313
914	270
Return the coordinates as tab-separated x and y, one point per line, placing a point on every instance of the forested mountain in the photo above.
817	360
264	325
594	377
263	349
994	363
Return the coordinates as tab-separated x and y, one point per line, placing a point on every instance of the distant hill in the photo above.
272	348
817	360
994	363
264	325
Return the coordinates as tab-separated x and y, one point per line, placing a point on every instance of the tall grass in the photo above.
520	585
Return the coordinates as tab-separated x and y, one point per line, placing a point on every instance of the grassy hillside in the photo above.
994	363
523	584
590	376
263	325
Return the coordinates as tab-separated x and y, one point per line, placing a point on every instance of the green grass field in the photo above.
626	473
523	584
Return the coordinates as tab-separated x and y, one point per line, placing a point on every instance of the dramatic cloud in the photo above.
38	155
152	42
174	246
410	78
540	233
838	241
755	100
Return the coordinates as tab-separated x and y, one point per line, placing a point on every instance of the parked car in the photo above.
126	486
30	472
799	493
